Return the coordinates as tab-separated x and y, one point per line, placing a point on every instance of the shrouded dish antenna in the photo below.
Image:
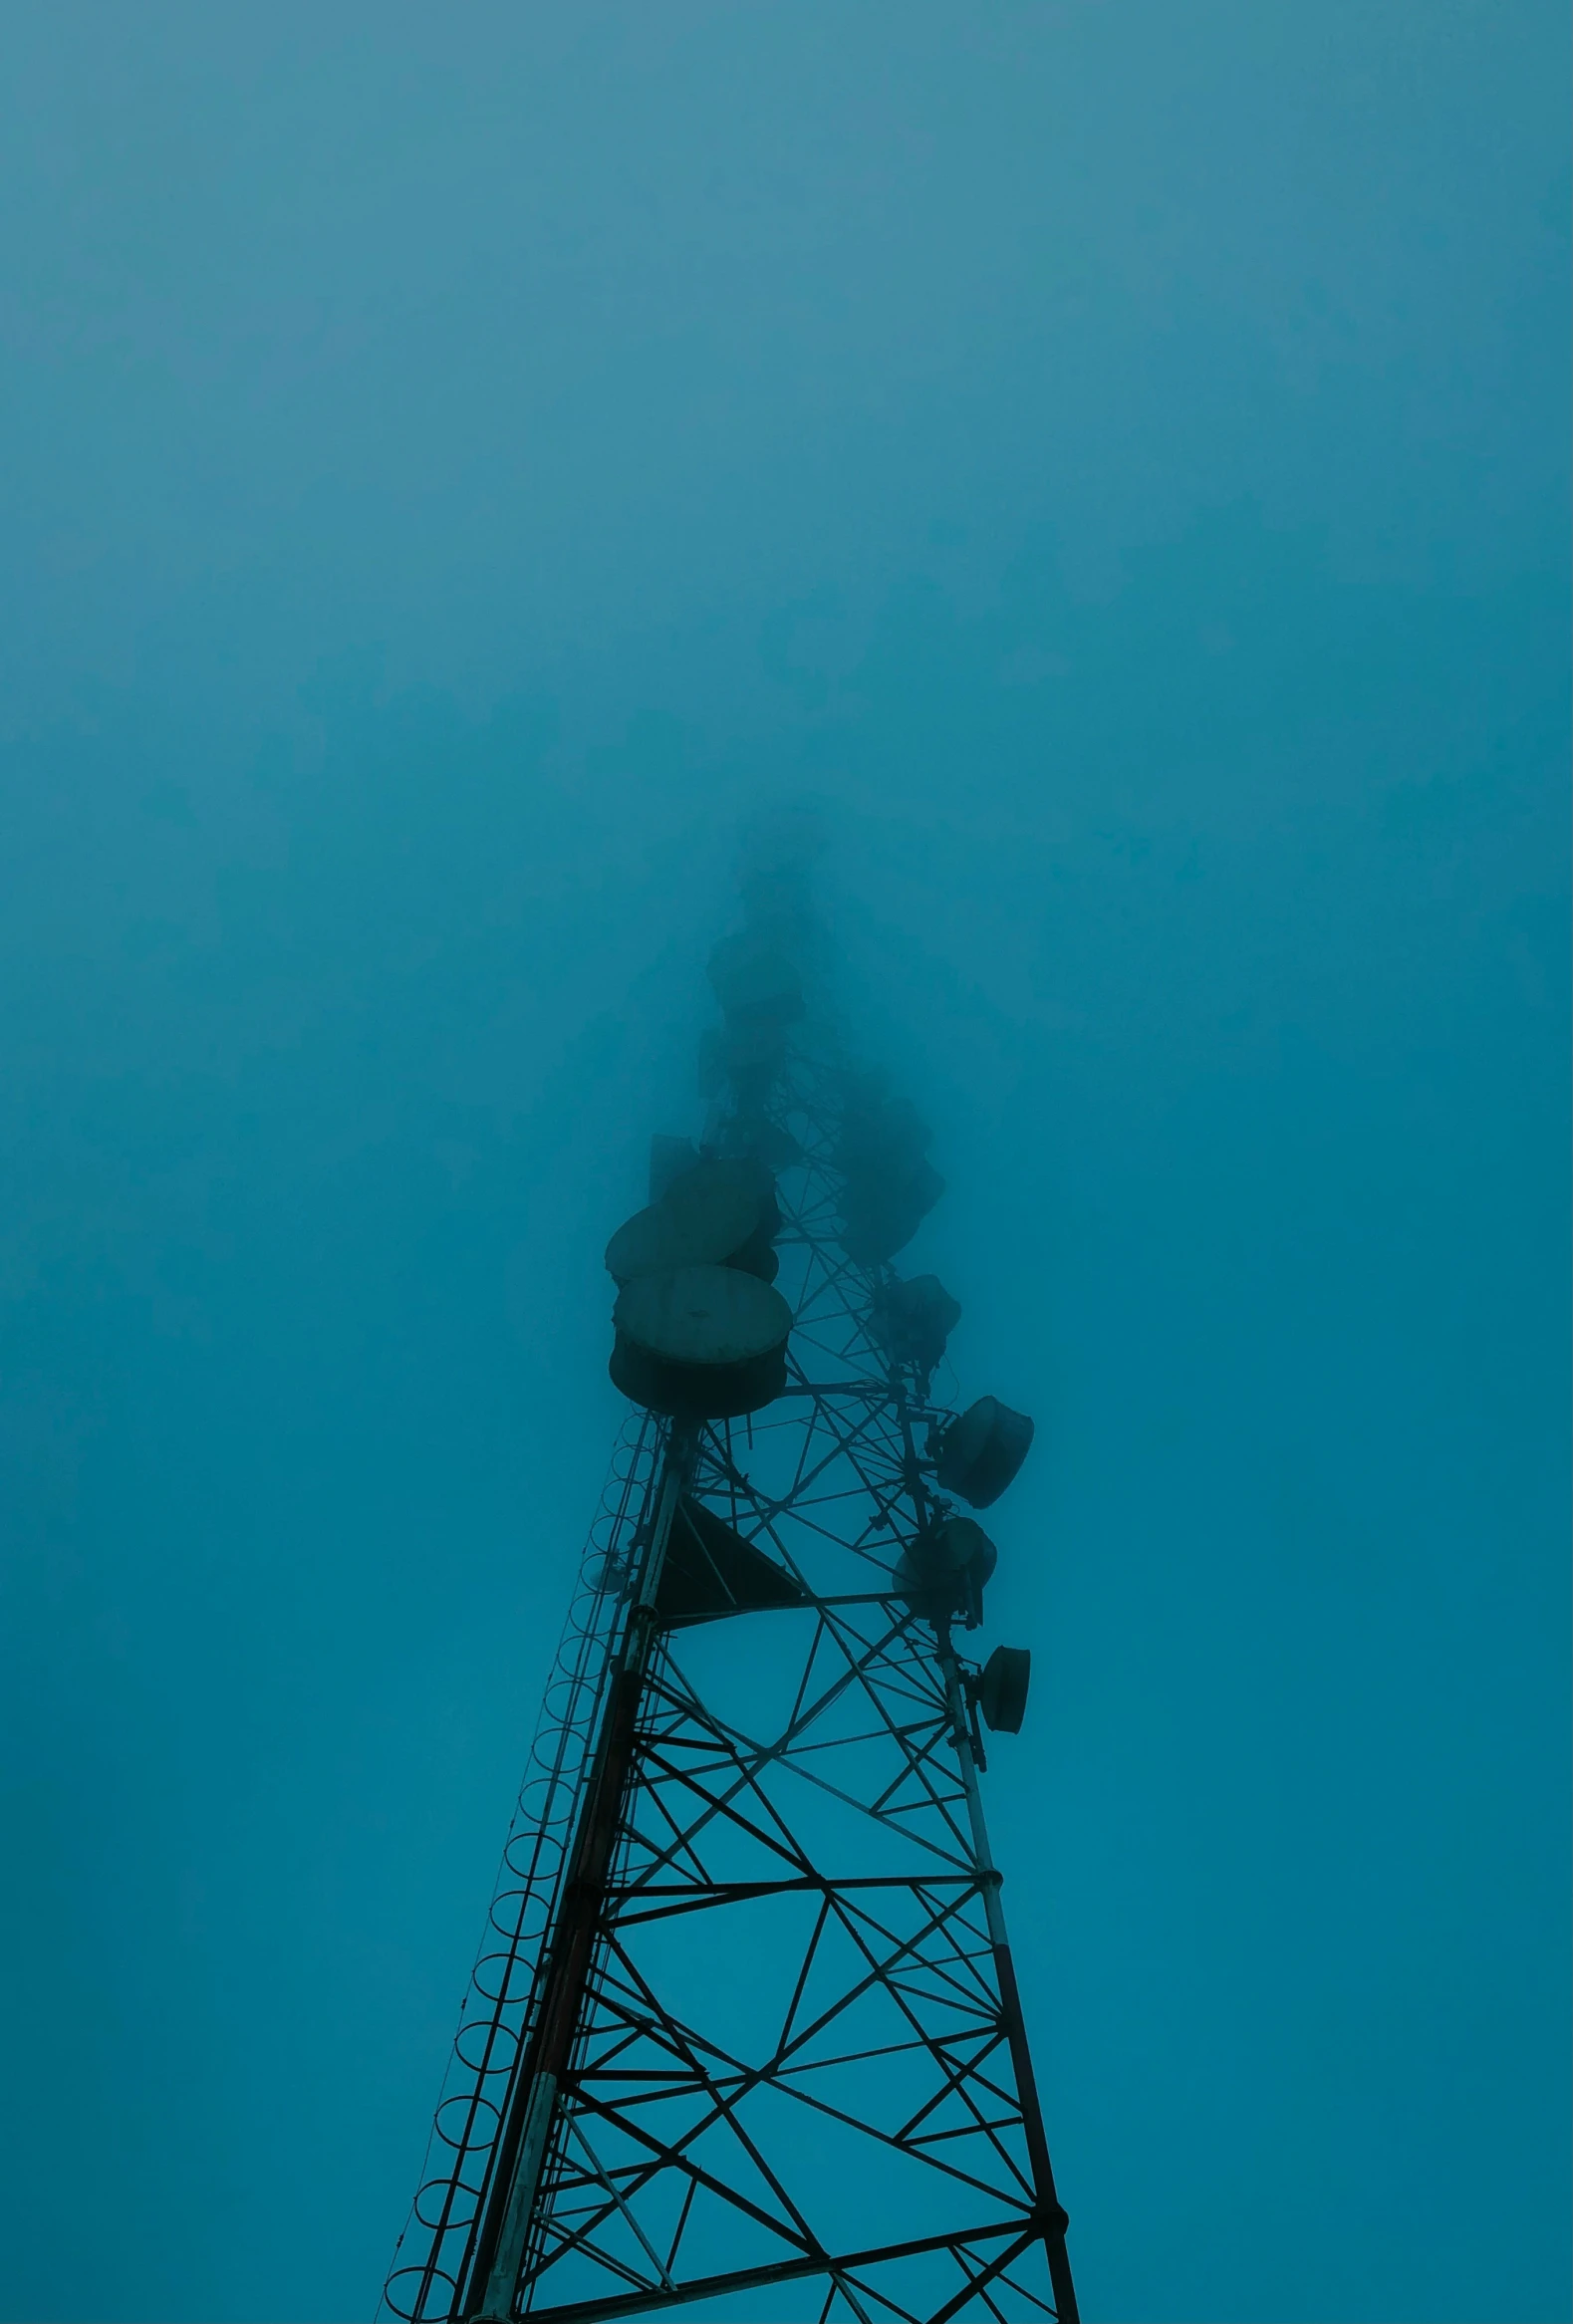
889	1185
978	1455
710	1213
701	1343
943	1572
913	1321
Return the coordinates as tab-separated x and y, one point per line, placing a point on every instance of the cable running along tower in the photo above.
744	2034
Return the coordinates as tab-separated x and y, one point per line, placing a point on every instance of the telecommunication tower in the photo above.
744	2033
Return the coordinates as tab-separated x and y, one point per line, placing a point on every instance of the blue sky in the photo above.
461	464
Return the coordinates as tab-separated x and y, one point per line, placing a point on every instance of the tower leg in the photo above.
1051	2216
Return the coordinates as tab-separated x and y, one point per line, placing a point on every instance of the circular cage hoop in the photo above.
493	1975
485	2046
440	2293
445	2205
474	2127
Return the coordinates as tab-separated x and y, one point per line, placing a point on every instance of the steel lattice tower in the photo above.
746	2016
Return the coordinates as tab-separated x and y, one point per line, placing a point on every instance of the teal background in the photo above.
459	465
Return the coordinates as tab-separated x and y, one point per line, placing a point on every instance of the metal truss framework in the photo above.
749	1898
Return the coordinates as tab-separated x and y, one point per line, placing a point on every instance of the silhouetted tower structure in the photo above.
745	2033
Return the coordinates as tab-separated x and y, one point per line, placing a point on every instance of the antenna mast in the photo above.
745	2024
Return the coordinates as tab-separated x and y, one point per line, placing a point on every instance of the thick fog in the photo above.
461	464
